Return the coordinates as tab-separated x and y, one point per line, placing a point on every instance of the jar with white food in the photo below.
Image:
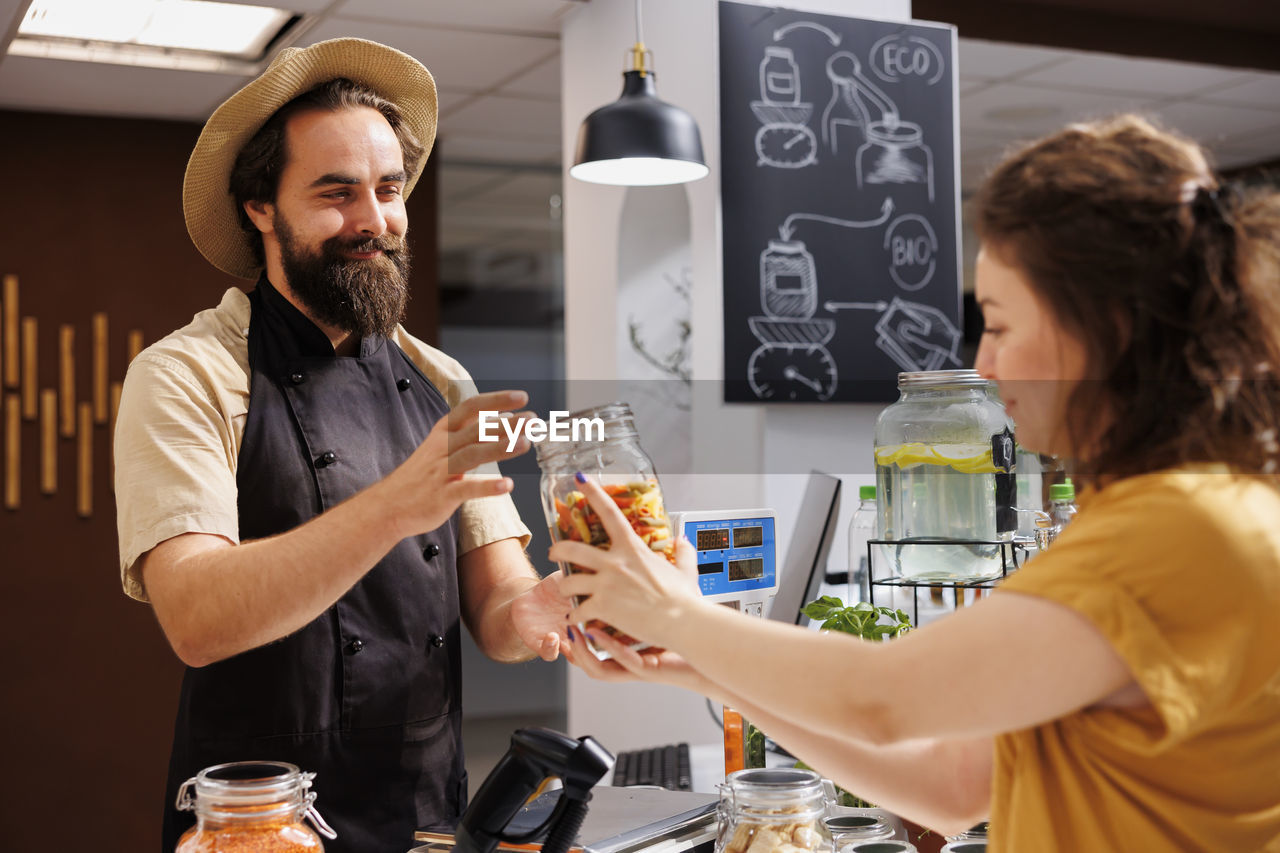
772	810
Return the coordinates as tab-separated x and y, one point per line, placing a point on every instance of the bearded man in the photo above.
290	465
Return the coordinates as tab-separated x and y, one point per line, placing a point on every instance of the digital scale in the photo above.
737	556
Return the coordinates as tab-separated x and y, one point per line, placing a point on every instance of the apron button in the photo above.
297	378
355	647
437	641
430	551
403	384
327	458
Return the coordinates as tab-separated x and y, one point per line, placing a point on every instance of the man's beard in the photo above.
361	297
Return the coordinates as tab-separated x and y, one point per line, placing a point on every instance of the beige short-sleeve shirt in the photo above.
182	417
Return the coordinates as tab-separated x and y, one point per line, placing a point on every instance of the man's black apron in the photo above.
368	695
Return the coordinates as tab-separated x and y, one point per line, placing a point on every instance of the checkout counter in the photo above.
738	568
513	814
544	796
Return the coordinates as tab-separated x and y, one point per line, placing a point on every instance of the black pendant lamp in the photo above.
639	140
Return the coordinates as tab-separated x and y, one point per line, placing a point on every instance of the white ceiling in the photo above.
1014	92
497	66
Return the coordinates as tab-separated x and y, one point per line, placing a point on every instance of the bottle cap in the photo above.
866	493
1062	492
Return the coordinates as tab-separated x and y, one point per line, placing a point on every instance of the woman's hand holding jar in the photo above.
631	586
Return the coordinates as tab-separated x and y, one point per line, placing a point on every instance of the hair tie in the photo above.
1205	207
1208	204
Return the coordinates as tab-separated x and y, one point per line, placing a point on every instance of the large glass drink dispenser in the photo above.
945	487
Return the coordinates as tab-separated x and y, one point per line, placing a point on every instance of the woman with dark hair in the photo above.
1122	691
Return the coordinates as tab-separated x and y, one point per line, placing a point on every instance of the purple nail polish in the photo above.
572	637
580	477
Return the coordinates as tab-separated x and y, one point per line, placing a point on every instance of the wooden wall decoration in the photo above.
67	374
29	389
10	331
84	462
12	452
100	368
58	410
48	441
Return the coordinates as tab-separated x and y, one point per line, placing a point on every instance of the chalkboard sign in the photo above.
840	204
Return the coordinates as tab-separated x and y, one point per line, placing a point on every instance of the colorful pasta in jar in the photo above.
612	456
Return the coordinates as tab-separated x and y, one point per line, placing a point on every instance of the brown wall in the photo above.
1234	33
92	222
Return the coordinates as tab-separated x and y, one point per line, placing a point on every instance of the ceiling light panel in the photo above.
230	29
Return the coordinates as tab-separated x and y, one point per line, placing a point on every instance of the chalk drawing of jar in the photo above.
788	280
779	77
895	153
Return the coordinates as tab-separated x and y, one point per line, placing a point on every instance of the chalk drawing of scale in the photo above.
792	361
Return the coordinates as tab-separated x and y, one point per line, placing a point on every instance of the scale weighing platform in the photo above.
737	556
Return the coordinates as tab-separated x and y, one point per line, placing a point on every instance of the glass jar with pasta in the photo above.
605	446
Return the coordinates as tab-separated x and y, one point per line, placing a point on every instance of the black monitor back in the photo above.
810	545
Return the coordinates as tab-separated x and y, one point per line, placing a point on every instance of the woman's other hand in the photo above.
626	664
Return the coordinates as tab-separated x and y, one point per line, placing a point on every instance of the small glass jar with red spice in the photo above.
251	807
603	444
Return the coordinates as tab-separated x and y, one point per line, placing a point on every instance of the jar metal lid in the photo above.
883	847
941	379
853	827
845	822
776	777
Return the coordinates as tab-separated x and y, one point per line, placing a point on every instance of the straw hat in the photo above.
207	203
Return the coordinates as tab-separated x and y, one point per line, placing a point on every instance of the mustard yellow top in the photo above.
1180	570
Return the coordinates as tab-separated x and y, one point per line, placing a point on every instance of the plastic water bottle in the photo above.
1029	477
861	528
1062	505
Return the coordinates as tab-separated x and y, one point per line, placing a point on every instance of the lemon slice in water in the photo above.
907	455
966	458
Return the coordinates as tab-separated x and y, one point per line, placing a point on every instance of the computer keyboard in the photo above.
665	766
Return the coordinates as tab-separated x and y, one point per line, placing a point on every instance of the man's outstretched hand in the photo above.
538	617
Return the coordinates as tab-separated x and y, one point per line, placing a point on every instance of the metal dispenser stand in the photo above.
1010	561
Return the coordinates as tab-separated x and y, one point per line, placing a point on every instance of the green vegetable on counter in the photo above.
860	620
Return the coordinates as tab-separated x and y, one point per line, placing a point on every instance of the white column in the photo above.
683	35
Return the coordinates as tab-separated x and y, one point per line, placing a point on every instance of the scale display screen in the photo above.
745	570
713	540
736	555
